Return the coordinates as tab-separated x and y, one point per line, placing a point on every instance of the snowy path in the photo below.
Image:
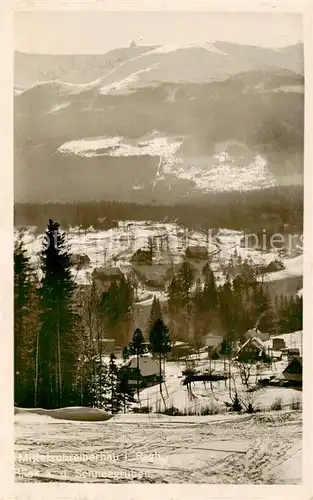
216	449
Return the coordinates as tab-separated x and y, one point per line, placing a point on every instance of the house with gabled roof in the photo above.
148	367
104	276
252	350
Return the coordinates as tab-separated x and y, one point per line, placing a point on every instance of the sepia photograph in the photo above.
158	247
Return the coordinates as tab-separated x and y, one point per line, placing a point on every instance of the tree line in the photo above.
268	209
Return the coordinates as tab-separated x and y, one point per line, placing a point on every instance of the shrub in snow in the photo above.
296	403
249	401
236	406
173	411
211	409
277	405
250	408
143	409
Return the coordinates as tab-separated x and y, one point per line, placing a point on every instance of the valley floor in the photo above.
264	448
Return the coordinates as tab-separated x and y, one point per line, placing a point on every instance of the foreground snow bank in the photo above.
262	448
81	413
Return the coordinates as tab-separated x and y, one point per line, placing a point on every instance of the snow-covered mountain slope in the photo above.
166	142
233	110
191	62
30	69
220	172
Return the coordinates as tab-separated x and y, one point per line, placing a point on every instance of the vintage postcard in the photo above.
161	198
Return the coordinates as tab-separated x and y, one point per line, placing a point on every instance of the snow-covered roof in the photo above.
147	365
255	341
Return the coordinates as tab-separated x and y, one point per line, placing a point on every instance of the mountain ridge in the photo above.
86	67
240	131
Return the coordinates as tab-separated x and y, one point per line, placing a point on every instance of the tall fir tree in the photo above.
173	307
26	322
186	277
226	307
117	304
137	347
199	319
184	282
160	344
125	390
114	400
155	312
58	357
210	294
126	353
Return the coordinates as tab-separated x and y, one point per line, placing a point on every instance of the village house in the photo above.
153	276
197	252
80	260
142	257
148	367
252	350
293	371
104	276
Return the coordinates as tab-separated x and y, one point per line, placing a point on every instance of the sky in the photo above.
82	32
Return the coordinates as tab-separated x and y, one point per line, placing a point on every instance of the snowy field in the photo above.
231	449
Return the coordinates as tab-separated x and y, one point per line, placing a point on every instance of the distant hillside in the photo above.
171	123
30	69
171	63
